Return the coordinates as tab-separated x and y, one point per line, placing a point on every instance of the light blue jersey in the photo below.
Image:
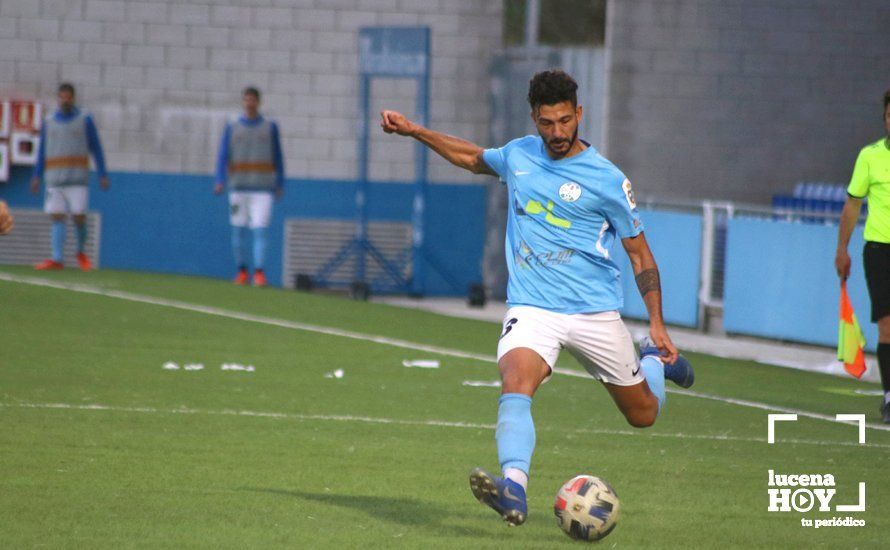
562	219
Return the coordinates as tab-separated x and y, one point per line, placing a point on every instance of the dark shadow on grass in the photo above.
408	512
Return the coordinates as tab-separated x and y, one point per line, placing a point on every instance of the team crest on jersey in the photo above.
629	193
570	191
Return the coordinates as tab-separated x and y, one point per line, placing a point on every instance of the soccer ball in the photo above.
586	508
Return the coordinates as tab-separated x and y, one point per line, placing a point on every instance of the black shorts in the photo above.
876	258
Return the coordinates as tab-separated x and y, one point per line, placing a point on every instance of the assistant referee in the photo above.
871	179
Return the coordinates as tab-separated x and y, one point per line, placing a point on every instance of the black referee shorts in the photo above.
876	258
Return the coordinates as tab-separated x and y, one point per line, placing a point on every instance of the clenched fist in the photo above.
395	122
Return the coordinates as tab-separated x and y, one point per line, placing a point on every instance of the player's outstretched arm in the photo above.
459	152
649	285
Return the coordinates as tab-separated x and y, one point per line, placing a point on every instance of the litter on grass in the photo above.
170	365
237	366
194	366
335	374
421	363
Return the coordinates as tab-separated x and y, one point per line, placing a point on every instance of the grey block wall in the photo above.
740	99
162	76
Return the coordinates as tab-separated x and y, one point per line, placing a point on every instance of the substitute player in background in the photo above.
567	205
871	179
250	161
67	139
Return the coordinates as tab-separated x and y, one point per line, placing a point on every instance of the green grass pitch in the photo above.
102	448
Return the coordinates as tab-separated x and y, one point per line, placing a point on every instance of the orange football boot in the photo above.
241	277
259	278
84	262
49	265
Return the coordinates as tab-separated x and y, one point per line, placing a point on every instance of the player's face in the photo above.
251	105
66	100
558	127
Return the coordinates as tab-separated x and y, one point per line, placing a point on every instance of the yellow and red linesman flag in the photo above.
850	340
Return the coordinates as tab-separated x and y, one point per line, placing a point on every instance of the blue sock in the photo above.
259	247
238	242
515	434
653	370
81	237
58	239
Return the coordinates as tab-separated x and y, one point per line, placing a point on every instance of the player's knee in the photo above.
642	417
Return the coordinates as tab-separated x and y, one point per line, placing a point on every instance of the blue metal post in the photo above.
361	192
418	221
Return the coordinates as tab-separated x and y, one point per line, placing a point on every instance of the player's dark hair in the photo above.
886	99
250	90
552	87
67	87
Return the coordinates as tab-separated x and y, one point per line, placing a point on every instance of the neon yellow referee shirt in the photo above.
871	178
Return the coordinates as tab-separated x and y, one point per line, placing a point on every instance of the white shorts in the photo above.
250	208
66	199
599	341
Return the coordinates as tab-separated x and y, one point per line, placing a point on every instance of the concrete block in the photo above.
290	83
166	35
144	55
333	85
334	42
273	18
43	75
377	5
166	78
114	76
62	9
9	28
103	53
717	63
32	29
230	16
59	52
314	20
147	12
313	62
211	37
270	60
207	80
20	8
189	14
238	80
81	74
251	38
224	58
187	58
352	20
106	10
291	39
81	31
123	33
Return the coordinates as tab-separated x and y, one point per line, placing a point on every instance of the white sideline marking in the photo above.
219	312
433	423
771	420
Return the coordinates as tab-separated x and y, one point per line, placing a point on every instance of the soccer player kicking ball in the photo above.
567	205
250	160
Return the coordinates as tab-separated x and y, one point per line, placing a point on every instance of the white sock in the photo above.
517	475
886	397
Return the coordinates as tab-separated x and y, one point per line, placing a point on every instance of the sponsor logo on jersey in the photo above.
570	191
629	193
